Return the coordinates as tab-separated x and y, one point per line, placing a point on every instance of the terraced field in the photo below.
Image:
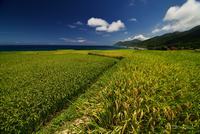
35	85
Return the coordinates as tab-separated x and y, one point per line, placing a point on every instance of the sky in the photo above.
93	22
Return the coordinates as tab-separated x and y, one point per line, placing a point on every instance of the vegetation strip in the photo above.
106	55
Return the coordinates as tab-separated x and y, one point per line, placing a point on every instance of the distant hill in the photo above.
128	43
177	40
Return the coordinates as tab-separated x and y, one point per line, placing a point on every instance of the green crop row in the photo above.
35	85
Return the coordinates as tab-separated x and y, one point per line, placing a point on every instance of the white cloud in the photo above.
104	26
164	28
78	40
133	19
81	41
137	37
116	26
97	22
181	18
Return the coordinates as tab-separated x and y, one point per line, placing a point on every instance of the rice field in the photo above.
147	92
36	85
122	91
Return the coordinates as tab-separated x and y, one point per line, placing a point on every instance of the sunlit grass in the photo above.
149	92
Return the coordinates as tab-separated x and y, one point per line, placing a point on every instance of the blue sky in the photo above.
74	22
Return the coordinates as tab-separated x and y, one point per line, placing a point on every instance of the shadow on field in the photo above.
105	55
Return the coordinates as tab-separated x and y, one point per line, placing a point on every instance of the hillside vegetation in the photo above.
177	40
128	43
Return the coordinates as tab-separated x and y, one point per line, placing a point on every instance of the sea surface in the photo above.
53	47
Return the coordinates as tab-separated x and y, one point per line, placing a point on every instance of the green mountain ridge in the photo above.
178	40
127	43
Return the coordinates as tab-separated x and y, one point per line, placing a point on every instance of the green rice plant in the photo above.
34	86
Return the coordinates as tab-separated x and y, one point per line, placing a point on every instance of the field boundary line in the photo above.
105	55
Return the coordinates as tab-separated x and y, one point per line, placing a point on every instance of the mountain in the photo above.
177	40
128	43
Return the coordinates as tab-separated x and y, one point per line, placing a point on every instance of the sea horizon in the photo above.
43	47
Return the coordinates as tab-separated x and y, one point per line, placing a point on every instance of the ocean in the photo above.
53	47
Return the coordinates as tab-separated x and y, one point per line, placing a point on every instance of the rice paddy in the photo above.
35	85
144	92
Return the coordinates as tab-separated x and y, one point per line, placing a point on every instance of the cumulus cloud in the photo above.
181	18
116	26
164	28
104	26
137	37
94	22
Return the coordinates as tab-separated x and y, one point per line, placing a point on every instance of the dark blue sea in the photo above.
53	47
